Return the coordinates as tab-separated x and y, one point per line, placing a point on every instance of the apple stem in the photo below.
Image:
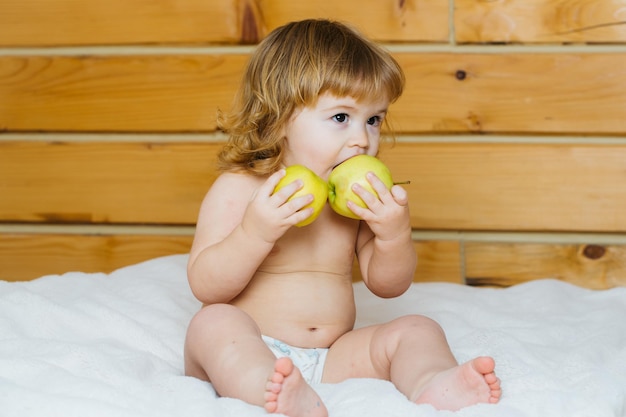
402	182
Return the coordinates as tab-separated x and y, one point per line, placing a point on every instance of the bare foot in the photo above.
288	393
471	383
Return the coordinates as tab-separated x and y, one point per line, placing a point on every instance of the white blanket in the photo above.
90	345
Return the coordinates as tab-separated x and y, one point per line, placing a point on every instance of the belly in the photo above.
304	309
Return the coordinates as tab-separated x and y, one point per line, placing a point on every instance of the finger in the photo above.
371	200
362	213
275	178
267	188
372	203
378	186
298	203
400	195
287	191
301	215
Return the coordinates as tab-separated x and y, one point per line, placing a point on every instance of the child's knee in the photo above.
217	318
209	314
416	325
211	326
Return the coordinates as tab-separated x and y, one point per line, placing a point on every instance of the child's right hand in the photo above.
269	215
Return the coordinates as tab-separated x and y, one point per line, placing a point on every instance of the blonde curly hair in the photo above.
290	69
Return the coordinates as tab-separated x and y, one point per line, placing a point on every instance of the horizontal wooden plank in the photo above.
513	93
60	253
116	93
104	182
122	22
509	186
381	20
92	22
445	92
539	21
454	186
505	264
28	256
439	261
486	263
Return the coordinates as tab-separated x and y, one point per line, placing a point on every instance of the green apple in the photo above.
350	172
313	184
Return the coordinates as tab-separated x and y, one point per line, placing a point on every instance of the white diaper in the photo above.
310	361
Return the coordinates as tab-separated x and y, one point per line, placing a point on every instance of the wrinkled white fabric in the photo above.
112	345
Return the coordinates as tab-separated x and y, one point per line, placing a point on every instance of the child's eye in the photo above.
374	120
341	117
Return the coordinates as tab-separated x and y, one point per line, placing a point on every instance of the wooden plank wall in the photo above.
512	129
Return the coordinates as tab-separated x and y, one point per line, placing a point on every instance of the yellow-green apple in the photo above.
313	184
350	172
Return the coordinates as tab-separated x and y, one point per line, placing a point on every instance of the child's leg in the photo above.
224	346
412	352
288	393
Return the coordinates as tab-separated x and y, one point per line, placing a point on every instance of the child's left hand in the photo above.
388	215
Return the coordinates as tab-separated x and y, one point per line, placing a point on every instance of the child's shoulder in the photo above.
234	187
237	179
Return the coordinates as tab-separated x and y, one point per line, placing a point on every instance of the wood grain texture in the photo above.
137	86
526	93
439	261
445	92
116	93
538	21
53	182
28	256
124	22
505	264
454	186
93	22
516	187
132	22
381	20
60	253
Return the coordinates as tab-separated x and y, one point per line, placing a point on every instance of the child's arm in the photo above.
385	248
239	222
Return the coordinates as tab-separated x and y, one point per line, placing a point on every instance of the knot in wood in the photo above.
460	75
594	251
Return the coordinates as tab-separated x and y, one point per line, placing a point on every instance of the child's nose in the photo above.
360	138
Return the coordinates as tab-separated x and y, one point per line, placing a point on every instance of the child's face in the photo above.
333	130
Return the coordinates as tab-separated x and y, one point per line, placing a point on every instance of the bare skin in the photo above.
288	393
470	383
258	275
